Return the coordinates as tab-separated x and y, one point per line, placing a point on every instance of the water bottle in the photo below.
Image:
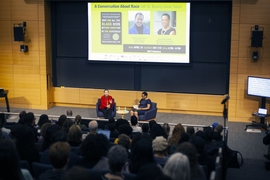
125	109
118	108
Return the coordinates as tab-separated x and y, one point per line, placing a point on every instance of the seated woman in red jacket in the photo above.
106	104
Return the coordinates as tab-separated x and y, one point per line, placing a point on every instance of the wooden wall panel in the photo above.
6	35
27	81
6	57
26	69
182	102
234	48
67	95
210	103
161	98
234	65
20	58
235	32
249	66
5	11
235	15
7	81
22	11
255	13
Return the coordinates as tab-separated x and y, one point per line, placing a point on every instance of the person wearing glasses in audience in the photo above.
167	29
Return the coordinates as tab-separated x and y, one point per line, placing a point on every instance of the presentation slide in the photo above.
139	32
258	86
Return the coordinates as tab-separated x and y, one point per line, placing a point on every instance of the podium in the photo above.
5	95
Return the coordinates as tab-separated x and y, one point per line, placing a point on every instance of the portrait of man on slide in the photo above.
167	24
138	25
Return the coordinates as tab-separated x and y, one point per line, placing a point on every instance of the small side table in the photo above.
122	113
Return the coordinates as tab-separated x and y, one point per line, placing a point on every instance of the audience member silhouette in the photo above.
176	134
159	145
94	150
75	136
178	167
196	170
78	120
117	158
42	120
61	120
59	157
9	158
77	173
141	153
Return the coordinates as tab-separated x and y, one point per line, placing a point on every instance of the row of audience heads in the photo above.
142	147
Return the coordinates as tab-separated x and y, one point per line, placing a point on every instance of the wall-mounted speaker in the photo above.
23	48
255	55
18	33
256	38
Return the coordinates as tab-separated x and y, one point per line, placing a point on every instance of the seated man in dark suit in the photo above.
143	106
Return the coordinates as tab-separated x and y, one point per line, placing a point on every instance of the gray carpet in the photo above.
249	144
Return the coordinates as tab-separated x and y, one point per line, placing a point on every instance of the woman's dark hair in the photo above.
10	157
151	123
190	151
184	138
25	143
29	118
149	171
43	119
141	152
125	129
47	139
61	120
94	146
67	124
157	130
78	119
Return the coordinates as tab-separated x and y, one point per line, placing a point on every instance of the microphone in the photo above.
227	97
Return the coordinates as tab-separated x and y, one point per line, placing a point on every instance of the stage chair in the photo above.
100	114
150	114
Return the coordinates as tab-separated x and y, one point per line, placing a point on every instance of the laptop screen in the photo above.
262	111
105	132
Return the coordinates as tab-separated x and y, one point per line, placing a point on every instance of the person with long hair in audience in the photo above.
61	120
75	136
141	153
166	128
173	140
10	162
78	120
177	167
94	149
67	124
42	120
25	143
196	170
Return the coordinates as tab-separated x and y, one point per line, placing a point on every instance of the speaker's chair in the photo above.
150	114
100	114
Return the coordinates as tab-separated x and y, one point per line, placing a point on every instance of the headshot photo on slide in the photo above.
139	22
167	20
